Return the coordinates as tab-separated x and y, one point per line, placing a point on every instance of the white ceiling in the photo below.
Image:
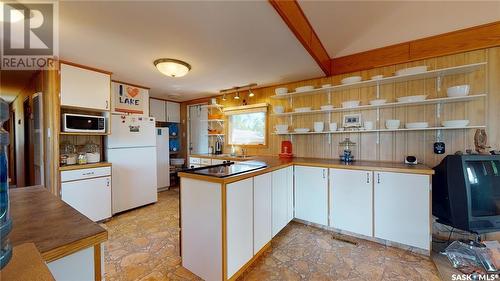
227	43
348	27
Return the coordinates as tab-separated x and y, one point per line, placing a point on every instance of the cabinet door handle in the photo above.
367	177
87	174
107	182
107	104
323	173
378	178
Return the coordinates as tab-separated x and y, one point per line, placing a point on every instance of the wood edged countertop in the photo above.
84	166
56	229
276	163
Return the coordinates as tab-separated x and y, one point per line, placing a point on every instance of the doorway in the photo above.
197	129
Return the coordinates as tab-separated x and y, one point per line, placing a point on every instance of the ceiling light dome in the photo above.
172	67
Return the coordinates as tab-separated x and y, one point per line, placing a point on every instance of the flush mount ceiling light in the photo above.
172	67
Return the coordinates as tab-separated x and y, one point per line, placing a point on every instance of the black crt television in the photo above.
466	192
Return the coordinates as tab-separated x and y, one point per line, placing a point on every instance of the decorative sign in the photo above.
130	99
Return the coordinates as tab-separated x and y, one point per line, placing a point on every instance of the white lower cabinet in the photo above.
402	208
75	267
262	229
282	198
351	200
311	194
239	224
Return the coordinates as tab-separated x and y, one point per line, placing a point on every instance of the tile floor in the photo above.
144	245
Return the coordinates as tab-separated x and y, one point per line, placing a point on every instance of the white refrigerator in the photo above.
162	158
131	149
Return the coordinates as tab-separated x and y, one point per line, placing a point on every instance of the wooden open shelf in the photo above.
392	79
392	104
381	130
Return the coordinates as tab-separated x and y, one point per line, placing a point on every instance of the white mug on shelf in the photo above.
319	126
368	125
332	127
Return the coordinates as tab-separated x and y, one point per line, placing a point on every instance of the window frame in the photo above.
234	111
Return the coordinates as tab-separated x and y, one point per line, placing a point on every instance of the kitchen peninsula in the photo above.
227	221
68	242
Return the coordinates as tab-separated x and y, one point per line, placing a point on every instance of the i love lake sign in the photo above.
130	99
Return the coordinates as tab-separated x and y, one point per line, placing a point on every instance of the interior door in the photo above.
198	130
38	162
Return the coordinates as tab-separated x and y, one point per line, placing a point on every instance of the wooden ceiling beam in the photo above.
294	17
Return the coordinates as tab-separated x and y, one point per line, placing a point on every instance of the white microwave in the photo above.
83	123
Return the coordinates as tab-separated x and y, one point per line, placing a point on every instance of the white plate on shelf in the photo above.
412	70
304	88
455	123
326	107
417	125
378	102
302	109
281	91
350	80
350	103
412	98
326	85
377	77
281	132
302	130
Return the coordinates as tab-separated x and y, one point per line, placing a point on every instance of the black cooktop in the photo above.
227	169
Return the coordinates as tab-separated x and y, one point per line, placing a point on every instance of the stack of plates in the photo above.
304	88
412	70
412	98
327	107
417	125
455	123
302	109
302	130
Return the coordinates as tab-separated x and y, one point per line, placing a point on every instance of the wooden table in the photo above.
26	265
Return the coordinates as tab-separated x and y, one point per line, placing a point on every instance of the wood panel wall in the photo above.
393	146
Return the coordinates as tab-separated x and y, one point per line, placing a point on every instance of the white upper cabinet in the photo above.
173	112
85	88
165	111
402	208
351	195
311	194
158	110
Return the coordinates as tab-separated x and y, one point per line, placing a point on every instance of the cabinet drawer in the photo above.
194	160
85	174
205	161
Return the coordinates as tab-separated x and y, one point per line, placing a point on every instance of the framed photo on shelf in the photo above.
352	120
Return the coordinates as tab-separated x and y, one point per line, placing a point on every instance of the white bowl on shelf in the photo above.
351	79
455	123
304	88
416	125
412	70
302	109
281	91
302	130
350	103
392	124
281	127
278	109
326	107
378	102
319	126
458	91
415	98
